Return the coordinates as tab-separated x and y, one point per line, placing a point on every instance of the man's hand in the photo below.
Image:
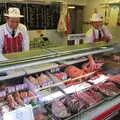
92	66
107	39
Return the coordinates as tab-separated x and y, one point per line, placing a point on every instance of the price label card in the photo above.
101	79
24	113
81	87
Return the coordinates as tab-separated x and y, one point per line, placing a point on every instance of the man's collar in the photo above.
9	29
97	29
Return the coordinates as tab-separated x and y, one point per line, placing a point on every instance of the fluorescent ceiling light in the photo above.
71	7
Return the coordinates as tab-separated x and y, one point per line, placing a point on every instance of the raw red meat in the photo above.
74	104
88	67
108	88
88	99
115	78
73	71
18	99
11	101
40	116
95	95
61	76
60	110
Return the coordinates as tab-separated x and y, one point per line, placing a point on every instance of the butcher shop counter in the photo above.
41	56
63	49
26	67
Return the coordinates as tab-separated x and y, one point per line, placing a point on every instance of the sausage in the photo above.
18	99
11	101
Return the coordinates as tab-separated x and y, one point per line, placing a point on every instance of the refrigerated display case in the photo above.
45	80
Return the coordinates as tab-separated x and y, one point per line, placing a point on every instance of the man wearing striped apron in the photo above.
98	32
13	34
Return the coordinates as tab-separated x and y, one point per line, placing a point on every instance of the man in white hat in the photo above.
98	32
13	34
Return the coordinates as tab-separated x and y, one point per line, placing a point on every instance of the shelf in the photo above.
111	3
40	68
74	61
62	82
27	55
12	74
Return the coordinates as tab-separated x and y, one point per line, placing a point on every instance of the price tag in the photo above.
81	87
101	79
24	113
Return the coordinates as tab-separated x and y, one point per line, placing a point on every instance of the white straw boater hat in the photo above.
14	13
96	18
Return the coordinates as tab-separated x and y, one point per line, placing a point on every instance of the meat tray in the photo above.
107	97
49	107
66	74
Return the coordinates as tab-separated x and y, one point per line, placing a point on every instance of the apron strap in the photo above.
94	36
104	35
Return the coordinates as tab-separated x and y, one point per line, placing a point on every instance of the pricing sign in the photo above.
24	113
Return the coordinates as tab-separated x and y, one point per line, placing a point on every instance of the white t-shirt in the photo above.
89	35
6	30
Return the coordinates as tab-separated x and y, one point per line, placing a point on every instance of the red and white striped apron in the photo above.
12	45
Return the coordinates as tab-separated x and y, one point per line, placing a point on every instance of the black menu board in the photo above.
36	16
40	17
43	16
2	11
51	16
32	17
